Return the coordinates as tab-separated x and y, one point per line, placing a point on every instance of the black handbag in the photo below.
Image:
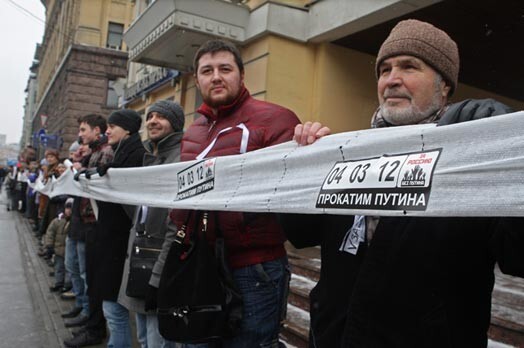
197	298
141	262
144	254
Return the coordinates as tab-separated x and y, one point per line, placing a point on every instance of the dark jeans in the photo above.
264	289
96	322
59	270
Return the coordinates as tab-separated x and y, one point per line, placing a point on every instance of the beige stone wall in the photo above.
290	75
327	83
344	95
95	16
81	22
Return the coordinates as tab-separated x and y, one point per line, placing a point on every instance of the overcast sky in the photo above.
20	32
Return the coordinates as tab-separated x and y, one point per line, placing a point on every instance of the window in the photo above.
114	35
112	96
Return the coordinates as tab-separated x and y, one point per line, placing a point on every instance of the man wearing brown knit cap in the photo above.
409	281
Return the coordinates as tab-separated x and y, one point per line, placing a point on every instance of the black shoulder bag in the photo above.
144	254
197	298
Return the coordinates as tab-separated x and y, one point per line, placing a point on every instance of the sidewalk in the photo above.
30	312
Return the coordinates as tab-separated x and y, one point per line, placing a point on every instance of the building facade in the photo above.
316	57
30	100
82	67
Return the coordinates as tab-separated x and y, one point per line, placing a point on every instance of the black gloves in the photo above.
150	300
102	169
87	172
80	172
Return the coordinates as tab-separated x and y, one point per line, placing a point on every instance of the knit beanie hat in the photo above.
424	41
74	146
69	203
127	119
170	110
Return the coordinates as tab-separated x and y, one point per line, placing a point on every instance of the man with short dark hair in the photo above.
91	130
233	122
423	281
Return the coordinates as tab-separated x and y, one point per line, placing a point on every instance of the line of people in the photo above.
406	282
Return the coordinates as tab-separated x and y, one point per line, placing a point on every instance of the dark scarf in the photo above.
97	143
378	121
124	147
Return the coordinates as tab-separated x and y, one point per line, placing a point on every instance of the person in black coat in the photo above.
115	220
114	223
423	281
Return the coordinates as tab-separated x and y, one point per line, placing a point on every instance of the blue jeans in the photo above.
148	334
117	317
264	288
59	270
75	263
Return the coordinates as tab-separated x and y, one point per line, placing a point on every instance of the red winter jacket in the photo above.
250	238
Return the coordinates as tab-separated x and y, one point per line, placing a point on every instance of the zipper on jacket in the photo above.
211	128
137	249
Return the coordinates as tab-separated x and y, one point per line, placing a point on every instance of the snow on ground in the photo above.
298	281
493	344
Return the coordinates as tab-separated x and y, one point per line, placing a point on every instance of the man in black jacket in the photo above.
423	281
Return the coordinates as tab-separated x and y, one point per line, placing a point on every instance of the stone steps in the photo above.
507	310
305	272
507	321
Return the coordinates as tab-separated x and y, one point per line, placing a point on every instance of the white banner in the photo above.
468	169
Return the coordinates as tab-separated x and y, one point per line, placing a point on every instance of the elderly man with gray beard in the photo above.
408	281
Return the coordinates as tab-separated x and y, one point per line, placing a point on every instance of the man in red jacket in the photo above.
233	123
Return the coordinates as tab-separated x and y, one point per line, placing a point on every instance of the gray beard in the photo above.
413	114
410	115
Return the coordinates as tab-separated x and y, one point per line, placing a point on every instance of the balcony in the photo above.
169	32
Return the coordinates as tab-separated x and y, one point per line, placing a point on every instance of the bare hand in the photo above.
309	132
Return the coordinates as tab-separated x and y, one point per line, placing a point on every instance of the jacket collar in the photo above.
165	144
224	110
98	143
127	145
